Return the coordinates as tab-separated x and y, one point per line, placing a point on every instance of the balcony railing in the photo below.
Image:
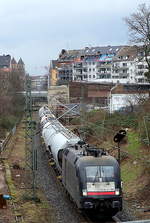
104	65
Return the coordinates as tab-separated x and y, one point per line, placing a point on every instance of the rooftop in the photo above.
5	61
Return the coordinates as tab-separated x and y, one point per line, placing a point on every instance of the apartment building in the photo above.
123	65
94	63
66	64
140	67
53	72
39	82
112	64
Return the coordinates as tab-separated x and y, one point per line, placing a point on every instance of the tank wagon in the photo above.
90	175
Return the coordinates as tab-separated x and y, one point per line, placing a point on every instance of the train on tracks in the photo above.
89	175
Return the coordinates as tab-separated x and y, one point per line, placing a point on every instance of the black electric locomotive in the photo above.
90	175
92	178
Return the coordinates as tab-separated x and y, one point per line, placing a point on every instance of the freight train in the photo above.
89	175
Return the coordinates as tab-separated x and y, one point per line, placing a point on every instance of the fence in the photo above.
4	142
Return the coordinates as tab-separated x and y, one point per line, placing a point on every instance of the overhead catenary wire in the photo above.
60	117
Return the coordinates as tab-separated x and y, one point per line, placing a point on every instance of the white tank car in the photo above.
46	118
43	111
57	137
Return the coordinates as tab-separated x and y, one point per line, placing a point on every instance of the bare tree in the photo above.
139	28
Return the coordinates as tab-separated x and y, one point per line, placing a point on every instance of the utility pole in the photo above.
30	150
147	129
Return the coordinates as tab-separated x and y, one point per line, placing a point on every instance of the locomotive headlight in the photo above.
84	192
117	192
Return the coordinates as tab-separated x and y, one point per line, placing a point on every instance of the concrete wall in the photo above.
60	93
89	92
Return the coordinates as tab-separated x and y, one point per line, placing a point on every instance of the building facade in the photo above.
10	70
39	82
109	96
113	64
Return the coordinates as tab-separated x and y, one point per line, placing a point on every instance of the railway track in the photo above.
99	219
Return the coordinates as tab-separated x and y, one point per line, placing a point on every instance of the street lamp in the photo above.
110	99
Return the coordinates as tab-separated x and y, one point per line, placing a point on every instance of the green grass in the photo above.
130	172
131	169
133	147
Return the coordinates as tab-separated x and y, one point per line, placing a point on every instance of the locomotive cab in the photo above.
101	185
92	181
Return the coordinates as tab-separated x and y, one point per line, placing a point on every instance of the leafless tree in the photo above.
139	29
10	85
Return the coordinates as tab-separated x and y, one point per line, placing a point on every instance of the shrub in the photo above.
7	122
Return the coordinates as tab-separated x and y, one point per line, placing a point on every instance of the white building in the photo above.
127	95
113	64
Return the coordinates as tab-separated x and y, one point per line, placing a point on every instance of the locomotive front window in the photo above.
99	173
107	171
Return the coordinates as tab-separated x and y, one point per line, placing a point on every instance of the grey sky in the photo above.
37	30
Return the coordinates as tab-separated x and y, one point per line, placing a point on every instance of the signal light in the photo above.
120	135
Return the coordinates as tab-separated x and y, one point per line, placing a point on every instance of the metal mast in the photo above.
147	129
30	150
82	112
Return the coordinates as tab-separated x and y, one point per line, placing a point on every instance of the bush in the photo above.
7	122
120	120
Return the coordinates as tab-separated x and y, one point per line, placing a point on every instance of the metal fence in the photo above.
4	142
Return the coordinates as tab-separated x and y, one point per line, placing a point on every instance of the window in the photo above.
107	171
141	66
140	53
124	71
99	173
140	73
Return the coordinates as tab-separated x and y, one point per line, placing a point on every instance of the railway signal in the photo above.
118	138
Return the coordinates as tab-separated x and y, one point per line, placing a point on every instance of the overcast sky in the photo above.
37	30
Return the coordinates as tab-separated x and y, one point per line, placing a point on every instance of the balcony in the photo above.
123	75
104	65
140	74
77	72
120	68
104	76
101	72
78	66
